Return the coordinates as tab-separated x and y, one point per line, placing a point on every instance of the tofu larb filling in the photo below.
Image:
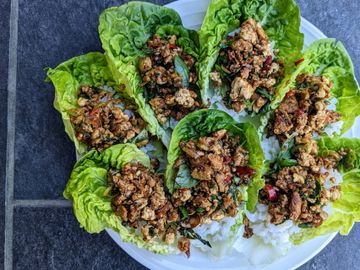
169	78
246	65
298	192
141	203
304	108
101	121
220	165
301	182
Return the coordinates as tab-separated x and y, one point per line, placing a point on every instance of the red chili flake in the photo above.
272	196
299	61
244	171
230	55
227	179
268	60
227	159
182	189
171	46
290	93
326	119
94	112
299	113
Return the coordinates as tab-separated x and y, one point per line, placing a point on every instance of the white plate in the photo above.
192	13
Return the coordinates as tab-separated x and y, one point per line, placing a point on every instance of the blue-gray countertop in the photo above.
37	225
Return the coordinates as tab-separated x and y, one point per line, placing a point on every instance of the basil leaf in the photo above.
263	92
288	162
184	212
182	69
190	234
184	179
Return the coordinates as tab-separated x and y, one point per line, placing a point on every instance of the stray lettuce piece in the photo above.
346	210
279	18
124	31
203	123
87	189
90	69
329	57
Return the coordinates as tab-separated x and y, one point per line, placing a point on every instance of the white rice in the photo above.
218	104
332	173
270	147
219	234
269	241
333	128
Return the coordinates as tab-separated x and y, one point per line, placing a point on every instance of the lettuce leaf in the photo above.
123	32
346	210
90	69
203	123
329	57
87	189
279	18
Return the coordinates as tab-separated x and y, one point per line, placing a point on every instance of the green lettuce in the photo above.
90	69
203	123
279	18
329	57
123	32
88	188
346	210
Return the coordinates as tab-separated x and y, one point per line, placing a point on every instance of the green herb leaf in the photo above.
184	212
263	92
182	69
200	210
305	225
184	179
190	234
284	158
288	162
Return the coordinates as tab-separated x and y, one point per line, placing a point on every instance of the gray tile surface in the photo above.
50	32
51	239
337	19
4	41
4	44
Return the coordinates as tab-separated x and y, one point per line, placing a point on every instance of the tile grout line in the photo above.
10	149
41	203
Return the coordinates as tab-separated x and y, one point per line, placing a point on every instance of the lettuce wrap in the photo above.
346	210
329	58
279	18
124	32
90	69
88	187
203	123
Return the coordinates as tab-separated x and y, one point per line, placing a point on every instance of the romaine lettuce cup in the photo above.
93	112
238	165
90	192
269	38
345	211
153	55
327	58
